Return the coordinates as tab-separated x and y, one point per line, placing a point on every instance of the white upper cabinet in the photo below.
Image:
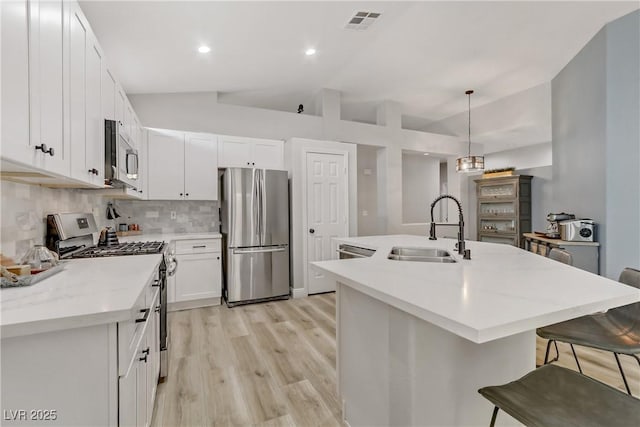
84	128
165	163
15	82
200	167
181	166
250	153
32	85
46	86
60	89
108	94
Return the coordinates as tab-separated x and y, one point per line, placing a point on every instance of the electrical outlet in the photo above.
174	215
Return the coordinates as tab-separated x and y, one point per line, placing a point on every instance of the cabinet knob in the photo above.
146	351
180	194
311	230
249	163
43	147
187	194
93	171
253	164
143	359
217	257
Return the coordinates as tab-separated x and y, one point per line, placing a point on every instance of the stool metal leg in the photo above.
624	378
576	357
494	416
546	355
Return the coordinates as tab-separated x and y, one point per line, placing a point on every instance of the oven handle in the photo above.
172	267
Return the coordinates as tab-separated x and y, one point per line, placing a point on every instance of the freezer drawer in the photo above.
257	273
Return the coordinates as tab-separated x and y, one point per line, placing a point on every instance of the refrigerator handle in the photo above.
260	250
263	209
256	202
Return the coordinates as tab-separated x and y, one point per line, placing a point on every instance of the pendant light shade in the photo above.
470	163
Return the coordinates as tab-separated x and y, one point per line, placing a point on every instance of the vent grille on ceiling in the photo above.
362	20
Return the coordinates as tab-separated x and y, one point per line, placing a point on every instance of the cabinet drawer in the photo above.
200	246
130	331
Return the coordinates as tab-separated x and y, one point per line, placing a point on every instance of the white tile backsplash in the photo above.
24	210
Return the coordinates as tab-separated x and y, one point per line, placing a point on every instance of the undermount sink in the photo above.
420	254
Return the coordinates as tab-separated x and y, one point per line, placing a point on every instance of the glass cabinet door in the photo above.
497	209
497	190
507	240
498	225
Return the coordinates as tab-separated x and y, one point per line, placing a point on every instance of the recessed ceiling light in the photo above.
204	49
310	51
426	154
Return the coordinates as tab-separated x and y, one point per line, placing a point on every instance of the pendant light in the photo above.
470	163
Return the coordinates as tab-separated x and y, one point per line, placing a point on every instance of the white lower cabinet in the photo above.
198	275
85	376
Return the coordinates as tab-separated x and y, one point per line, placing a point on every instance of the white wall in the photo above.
201	112
420	186
368	219
596	110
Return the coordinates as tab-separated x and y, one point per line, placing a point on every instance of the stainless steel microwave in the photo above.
120	158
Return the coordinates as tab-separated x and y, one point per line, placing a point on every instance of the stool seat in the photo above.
617	330
554	396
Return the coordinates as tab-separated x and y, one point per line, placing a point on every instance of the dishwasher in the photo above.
350	251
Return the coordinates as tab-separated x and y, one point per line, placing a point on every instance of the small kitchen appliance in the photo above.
553	228
578	230
70	236
120	158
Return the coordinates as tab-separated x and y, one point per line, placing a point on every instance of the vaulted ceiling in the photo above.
421	54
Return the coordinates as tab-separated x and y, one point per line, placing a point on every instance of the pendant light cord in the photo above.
469	92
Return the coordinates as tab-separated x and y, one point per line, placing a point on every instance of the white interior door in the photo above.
327	213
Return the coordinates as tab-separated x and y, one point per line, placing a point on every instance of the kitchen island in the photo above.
416	340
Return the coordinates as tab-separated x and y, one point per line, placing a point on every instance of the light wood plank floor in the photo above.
273	364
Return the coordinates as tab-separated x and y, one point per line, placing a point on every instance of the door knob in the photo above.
311	230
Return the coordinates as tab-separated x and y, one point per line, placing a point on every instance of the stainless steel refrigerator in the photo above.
255	235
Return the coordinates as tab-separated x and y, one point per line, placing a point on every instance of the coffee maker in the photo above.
554	219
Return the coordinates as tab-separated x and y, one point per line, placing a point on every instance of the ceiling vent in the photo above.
362	20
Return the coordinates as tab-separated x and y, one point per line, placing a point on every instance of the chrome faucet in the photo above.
466	253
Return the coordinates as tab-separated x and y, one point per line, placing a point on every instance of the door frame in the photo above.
305	213
296	150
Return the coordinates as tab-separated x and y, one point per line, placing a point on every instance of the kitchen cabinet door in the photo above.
201	167
268	155
15	81
120	104
46	86
94	118
165	162
108	94
128	398
234	152
75	92
198	276
142	392
83	101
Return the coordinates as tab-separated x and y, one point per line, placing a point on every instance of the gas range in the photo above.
71	236
133	248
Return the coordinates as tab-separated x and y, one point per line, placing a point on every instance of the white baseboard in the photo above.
186	305
299	292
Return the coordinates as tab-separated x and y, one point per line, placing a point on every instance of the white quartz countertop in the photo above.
500	292
87	292
169	237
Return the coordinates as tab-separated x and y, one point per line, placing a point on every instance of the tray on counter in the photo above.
32	279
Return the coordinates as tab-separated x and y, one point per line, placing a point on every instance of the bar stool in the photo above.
552	396
616	330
